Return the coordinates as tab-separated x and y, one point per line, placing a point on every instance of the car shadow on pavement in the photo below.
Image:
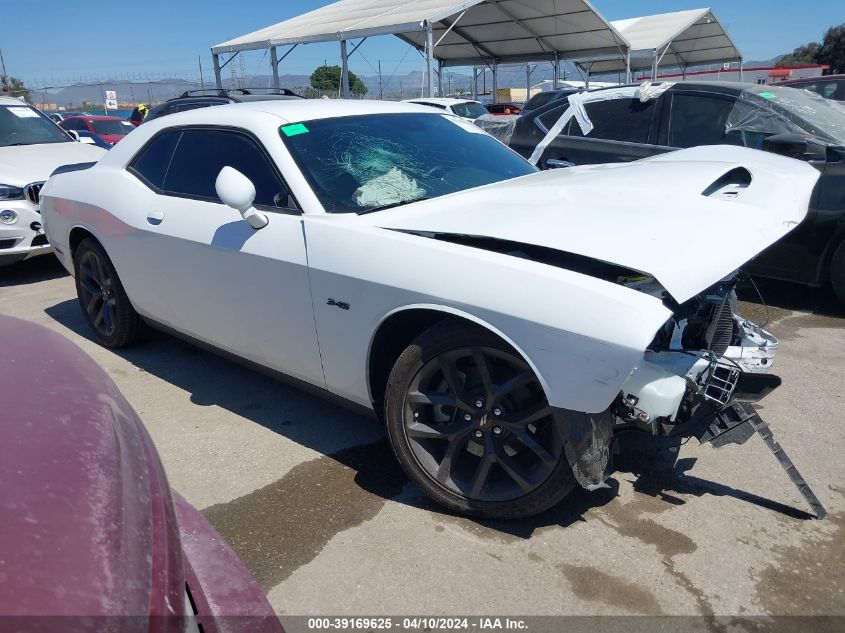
31	271
783	297
356	442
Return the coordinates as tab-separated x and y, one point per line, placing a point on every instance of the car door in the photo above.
623	130
701	118
203	271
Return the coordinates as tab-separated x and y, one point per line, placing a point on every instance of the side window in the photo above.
548	119
75	124
201	154
151	163
698	120
626	120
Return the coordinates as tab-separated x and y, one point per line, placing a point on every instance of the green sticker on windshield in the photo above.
768	95
294	129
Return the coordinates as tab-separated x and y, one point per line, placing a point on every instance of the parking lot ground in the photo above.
311	499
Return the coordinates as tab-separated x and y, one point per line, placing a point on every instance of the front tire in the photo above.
470	424
105	305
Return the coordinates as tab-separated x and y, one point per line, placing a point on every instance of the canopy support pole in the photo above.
274	62
528	70
344	70
740	70
628	66
215	58
429	58
495	81
556	81
440	78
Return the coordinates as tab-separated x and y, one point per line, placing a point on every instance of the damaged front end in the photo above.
699	378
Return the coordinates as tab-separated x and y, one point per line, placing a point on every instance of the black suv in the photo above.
786	121
193	99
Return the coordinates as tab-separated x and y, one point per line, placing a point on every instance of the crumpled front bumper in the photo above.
664	380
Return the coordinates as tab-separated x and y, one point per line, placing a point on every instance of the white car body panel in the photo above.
648	230
259	294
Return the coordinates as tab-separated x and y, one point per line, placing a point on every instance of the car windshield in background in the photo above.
22	125
365	163
813	113
112	126
469	110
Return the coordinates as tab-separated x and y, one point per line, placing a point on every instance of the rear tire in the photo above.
837	273
470	424
105	306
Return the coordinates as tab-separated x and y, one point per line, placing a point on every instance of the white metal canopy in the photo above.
679	39
453	32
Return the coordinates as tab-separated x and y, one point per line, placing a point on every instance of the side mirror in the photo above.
556	163
236	191
74	134
792	145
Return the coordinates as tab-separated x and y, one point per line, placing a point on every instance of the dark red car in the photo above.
502	109
91	529
828	86
111	128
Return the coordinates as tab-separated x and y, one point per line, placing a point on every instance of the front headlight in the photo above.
7	216
8	192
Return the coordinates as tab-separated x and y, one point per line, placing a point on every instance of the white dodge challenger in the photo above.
506	324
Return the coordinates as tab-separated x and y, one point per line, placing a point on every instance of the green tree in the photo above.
328	78
13	86
832	50
803	55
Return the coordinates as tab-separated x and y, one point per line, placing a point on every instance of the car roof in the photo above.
11	101
446	101
810	80
96	117
253	115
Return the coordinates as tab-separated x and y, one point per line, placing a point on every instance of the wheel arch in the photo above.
399	327
76	235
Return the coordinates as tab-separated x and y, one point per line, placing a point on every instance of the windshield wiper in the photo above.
393	204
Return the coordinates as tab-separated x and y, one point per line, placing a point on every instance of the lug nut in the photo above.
479	403
497	430
479	433
467	417
497	411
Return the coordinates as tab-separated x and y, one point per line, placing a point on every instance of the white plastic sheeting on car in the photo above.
767	110
500	127
644	92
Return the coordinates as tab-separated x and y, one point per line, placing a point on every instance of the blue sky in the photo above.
64	41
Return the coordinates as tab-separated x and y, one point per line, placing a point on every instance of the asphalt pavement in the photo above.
310	497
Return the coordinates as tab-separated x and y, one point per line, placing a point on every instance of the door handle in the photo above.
556	163
155	217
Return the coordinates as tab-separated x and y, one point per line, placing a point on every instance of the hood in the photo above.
88	521
23	164
688	218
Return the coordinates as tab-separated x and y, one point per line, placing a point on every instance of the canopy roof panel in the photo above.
681	38
504	30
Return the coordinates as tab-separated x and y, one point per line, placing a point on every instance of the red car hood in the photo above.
88	523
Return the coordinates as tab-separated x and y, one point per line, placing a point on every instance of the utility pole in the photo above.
380	86
202	82
4	76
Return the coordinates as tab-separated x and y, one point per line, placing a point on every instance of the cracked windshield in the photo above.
366	163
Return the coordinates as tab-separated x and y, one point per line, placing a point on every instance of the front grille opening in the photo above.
8	243
721	385
33	192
